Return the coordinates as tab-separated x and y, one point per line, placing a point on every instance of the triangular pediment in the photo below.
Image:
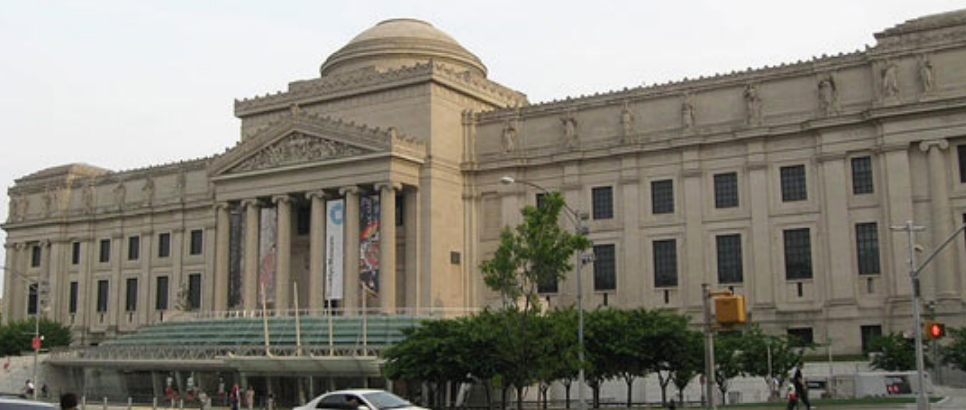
300	139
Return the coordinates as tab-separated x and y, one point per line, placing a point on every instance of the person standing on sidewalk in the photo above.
250	397
799	382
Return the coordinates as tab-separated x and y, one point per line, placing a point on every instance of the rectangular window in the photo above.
729	259
800	337
105	255
400	210
961	152
75	253
131	301
540	198
196	242
164	245
862	176
194	291
798	254
303	220
867	248
605	268
726	190
793	183
72	306
603	202
662	197
133	248
665	263
547	286
32	298
161	296
35	256
102	289
869	333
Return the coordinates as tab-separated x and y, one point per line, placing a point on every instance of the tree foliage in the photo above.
15	337
894	353
954	353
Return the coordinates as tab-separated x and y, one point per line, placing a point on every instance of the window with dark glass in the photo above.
862	176
133	248
131	300
102	289
547	286
32	298
303	220
400	210
867	248
72	305
798	254
869	334
196	242
961	152
75	253
793	183
35	256
540	198
603	201
662	196
164	245
800	337
161	294
726	190
105	255
605	268
730	268
194	291
665	263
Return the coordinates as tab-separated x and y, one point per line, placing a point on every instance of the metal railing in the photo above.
439	313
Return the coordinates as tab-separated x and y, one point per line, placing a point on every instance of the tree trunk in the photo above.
503	397
543	393
681	397
596	393
663	382
630	386
519	397
567	389
489	395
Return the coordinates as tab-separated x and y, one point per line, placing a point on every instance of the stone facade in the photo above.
780	183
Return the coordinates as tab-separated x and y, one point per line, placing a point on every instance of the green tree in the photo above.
15	337
537	251
954	353
759	350
686	361
728	362
668	337
562	363
433	352
894	353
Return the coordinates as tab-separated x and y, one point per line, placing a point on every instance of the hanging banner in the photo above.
334	254
236	252
369	243
267	253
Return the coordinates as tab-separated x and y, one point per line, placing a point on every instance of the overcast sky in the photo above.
127	84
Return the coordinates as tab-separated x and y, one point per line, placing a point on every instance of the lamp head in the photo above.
507	180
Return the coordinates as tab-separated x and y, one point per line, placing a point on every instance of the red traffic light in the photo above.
935	330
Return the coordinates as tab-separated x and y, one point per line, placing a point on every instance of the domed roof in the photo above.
398	43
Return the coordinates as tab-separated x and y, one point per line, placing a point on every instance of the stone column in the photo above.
47	275
411	225
762	273
250	280
941	218
840	283
8	281
692	273
387	249
899	205
317	249
19	296
351	250
222	221
283	257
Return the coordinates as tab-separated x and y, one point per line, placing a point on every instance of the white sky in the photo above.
126	84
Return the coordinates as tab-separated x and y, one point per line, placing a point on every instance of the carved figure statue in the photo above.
752	105
890	80
87	199
148	192
925	74
181	184
24	206
827	95
627	123
49	198
569	123
12	208
509	137
687	111
120	192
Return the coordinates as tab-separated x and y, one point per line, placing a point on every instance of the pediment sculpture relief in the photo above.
295	149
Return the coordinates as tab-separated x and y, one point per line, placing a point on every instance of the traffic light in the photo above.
934	330
730	310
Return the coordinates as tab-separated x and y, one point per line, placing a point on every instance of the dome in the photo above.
398	43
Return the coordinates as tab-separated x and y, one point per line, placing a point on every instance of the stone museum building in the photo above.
376	187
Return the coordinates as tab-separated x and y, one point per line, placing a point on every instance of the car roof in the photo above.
10	400
356	391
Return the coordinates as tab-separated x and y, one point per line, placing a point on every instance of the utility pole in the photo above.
708	349
922	402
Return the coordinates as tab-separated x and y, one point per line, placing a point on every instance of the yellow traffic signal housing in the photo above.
730	310
934	330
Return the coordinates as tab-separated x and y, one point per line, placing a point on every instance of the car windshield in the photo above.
383	400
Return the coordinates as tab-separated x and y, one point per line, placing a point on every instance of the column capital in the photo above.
395	186
222	206
940	143
281	199
45	243
249	203
20	246
352	189
319	193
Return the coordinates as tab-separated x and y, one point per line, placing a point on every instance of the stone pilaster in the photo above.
351	284
250	280
940	218
899	202
8	280
317	250
692	273
387	249
762	276
411	225
840	283
283	260
222	222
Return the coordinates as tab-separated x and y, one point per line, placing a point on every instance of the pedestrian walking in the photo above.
250	397
234	397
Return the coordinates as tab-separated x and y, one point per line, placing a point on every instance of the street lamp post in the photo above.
582	258
36	336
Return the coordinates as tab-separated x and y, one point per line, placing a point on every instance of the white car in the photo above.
10	403
359	399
